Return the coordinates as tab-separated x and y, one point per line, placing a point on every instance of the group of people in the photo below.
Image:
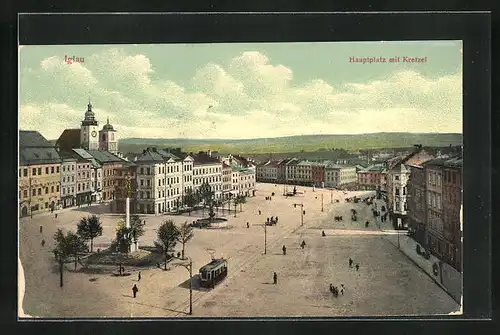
351	262
335	290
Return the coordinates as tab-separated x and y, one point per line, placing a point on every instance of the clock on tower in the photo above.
94	133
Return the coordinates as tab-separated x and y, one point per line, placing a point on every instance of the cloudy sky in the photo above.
243	90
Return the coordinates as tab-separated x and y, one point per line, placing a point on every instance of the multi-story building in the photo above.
226	180
154	194
207	169
267	172
282	170
339	175
39	174
303	173
417	202
371	177
83	181
110	165
95	175
398	173
68	180
435	224
452	206
318	174
291	171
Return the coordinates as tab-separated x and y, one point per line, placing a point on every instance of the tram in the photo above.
213	273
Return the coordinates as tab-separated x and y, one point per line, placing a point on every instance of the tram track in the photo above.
241	265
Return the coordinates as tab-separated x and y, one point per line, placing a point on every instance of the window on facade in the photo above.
148	195
52	169
52	189
46	170
34	172
46	190
33	192
79	187
149	171
72	190
397	191
25	193
39	191
148	182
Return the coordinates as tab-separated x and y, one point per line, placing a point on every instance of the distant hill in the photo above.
300	143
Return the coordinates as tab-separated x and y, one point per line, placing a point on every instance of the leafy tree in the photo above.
123	237
65	246
185	234
168	234
89	228
241	199
190	199
136	228
206	194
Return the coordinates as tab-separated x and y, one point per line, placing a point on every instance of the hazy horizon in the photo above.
239	90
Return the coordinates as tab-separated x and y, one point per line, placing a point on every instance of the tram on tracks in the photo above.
213	273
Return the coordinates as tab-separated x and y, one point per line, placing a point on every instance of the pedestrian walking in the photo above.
41	228
139	276
56	215
303	244
350	262
357	267
284	250
323	233
248	224
43	243
135	290
275	278
260	212
342	291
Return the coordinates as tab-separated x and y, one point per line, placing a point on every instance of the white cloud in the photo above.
249	97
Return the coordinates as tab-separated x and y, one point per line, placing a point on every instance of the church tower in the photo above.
108	138
88	131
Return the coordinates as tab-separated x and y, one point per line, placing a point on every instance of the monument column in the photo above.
134	246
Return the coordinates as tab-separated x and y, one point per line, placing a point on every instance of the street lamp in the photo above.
265	238
322	202
331	196
301	212
189	268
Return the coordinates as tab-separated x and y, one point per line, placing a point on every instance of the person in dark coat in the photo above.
284	250
135	290
303	244
323	233
139	276
350	262
248	225
260	212
43	243
275	278
357	267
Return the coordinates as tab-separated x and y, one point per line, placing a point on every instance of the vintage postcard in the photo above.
240	180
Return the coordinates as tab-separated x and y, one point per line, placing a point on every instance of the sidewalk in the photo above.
449	279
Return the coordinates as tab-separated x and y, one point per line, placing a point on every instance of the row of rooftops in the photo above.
297	162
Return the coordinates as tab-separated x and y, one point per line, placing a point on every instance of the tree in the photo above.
168	234
185	234
190	199
241	199
89	228
206	194
136	228
65	246
123	237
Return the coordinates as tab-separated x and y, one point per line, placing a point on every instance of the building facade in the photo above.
340	175
267	172
68	181
318	174
207	169
39	174
89	138
452	204
417	203
435	224
397	177
83	181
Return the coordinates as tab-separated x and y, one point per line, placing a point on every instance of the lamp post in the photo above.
399	246
265	238
189	268
331	196
301	212
322	202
